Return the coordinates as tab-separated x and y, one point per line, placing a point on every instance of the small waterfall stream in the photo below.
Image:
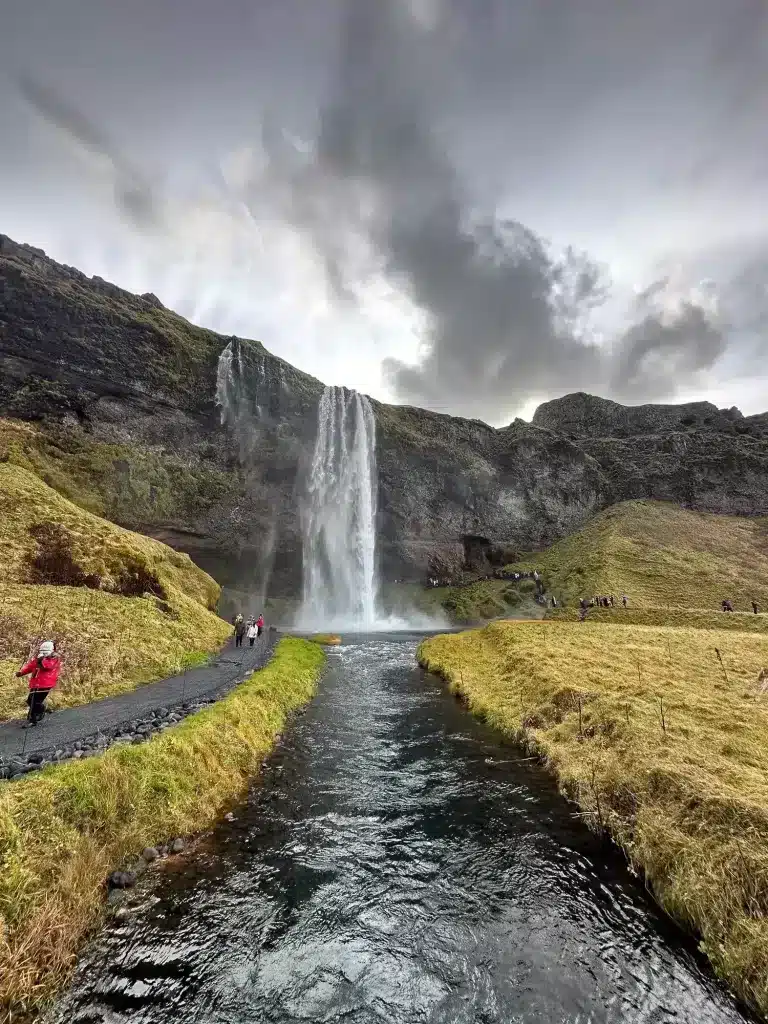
339	516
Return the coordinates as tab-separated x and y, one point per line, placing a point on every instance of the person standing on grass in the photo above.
260	624
624	600
253	632
44	674
239	630
755	608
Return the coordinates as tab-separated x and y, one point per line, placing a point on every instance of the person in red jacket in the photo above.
44	674
260	624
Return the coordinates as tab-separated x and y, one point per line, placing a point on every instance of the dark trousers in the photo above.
250	640
36	701
259	629
238	639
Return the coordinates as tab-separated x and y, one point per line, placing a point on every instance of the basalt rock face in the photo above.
123	393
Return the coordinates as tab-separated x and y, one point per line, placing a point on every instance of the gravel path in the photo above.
64	728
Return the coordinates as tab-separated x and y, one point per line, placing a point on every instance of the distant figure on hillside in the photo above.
727	606
554	601
613	600
624	600
755	609
239	630
44	674
260	624
252	634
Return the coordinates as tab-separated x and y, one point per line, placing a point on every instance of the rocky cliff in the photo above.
113	397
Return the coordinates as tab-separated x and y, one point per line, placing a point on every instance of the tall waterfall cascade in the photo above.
339	516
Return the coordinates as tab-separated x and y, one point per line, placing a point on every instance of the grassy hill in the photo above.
123	609
661	556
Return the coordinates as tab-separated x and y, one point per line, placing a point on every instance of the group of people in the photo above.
250	629
43	671
600	601
727	606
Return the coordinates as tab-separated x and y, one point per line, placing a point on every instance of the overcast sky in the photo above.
473	205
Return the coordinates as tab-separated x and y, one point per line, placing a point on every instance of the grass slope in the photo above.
110	643
661	556
468	605
687	799
63	830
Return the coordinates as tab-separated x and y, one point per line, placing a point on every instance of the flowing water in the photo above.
396	862
339	522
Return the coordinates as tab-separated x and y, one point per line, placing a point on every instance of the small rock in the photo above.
122	914
177	846
78	745
35	758
138	738
77	754
122	880
150	854
229	816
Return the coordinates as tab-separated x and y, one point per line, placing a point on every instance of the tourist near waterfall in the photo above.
43	672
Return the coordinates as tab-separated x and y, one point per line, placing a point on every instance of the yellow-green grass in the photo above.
109	643
472	604
686	796
661	556
325	639
63	830
690	618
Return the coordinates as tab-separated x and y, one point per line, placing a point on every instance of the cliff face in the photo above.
121	392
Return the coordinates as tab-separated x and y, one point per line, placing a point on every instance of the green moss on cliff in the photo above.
129	485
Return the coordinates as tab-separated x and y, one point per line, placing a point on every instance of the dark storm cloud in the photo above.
505	315
134	195
440	123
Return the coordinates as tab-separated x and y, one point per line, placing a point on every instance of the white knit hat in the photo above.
46	648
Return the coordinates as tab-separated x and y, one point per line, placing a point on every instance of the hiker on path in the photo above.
260	624
253	632
624	600
755	608
239	630
44	674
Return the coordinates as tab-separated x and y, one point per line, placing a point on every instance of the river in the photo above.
395	862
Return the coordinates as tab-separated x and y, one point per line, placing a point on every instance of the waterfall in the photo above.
339	516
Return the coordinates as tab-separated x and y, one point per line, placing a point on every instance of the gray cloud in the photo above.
135	197
506	315
443	136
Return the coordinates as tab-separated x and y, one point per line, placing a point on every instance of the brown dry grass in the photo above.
661	743
109	643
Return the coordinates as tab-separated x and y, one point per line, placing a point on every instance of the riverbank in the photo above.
660	735
63	830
